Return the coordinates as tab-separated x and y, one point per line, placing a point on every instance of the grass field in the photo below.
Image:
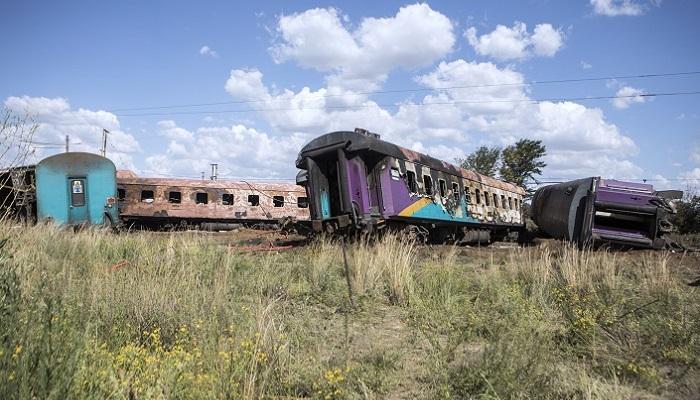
146	315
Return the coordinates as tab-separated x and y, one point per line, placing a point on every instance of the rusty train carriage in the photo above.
156	201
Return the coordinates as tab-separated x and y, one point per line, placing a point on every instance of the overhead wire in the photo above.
414	90
457	102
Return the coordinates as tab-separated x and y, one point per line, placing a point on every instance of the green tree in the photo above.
522	161
687	218
484	160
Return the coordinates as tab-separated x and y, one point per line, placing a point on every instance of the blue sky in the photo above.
76	66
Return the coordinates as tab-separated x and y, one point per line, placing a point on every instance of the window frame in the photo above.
428	188
305	202
411	181
197	198
278	201
170	198
230	203
153	195
253	198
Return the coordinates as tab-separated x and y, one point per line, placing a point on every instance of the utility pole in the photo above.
202	175
67	143
103	151
214	171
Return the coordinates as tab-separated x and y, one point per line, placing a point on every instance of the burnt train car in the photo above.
18	193
212	205
594	211
355	181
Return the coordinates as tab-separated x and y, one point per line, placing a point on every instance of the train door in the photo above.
77	209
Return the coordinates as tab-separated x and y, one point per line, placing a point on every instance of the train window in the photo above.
227	199
487	198
516	204
428	183
174	197
495	200
278	201
443	187
467	195
253	200
455	191
201	198
147	196
121	194
503	201
510	203
395	174
411	181
477	193
303	202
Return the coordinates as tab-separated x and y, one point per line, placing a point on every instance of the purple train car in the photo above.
357	182
593	211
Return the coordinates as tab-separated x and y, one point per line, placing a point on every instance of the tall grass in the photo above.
144	315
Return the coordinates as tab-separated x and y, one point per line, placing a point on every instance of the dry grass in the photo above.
186	317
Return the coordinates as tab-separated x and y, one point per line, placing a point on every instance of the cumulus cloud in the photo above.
613	8
55	119
208	51
516	43
585	65
240	151
318	38
627	95
695	154
691	178
447	122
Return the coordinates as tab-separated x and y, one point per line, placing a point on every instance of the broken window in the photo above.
428	182
147	196
303	202
510	203
278	201
495	200
227	199
395	175
443	187
487	199
477	193
121	194
517	206
411	181
201	198
503	201
467	195
253	200
174	197
455	191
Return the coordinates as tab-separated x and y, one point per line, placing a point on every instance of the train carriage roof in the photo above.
364	141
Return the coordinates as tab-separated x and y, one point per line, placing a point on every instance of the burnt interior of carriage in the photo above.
155	205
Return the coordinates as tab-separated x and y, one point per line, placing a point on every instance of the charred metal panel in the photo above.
274	201
596	210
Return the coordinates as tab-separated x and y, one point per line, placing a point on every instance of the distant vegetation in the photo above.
145	315
519	163
687	218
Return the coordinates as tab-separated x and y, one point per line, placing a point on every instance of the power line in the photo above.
533	101
413	90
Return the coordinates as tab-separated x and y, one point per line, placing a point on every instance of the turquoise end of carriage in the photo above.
77	189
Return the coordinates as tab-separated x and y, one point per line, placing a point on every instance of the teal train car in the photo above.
77	189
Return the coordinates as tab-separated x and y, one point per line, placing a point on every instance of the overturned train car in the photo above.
595	211
209	205
357	182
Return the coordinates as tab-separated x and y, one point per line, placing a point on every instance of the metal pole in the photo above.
214	171
103	151
67	143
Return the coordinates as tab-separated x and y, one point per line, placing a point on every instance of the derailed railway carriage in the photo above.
355	181
212	205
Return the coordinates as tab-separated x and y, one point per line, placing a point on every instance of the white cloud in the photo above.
240	152
171	131
627	96
516	43
613	8
580	141
416	36
208	51
585	65
691	178
55	119
695	154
